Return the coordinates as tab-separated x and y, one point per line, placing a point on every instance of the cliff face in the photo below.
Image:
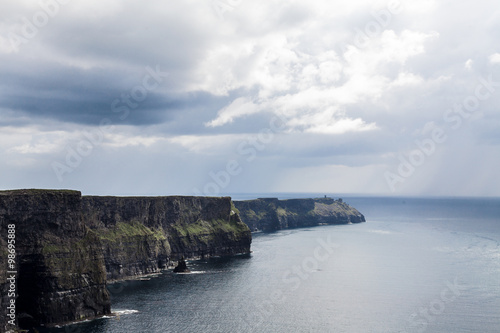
68	246
141	235
60	266
271	214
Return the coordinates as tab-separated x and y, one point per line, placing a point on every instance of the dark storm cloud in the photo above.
75	67
87	96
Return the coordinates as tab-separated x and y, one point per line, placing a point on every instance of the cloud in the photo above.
494	58
351	89
121	140
238	108
313	91
222	144
90	54
324	124
407	79
468	64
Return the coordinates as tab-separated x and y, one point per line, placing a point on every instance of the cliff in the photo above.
269	214
68	246
59	264
140	235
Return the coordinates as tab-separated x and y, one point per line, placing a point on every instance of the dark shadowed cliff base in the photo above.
68	247
270	214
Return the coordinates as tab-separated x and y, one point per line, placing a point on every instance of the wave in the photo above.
192	272
123	312
114	314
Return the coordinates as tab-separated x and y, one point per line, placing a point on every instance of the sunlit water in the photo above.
417	265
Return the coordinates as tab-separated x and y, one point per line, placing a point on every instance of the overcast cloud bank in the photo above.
122	97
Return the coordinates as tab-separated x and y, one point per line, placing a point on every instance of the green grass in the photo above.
52	248
208	231
33	191
281	211
234	210
129	229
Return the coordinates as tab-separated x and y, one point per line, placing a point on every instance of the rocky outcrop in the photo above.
181	267
269	214
68	246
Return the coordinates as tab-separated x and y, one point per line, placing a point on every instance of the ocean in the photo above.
416	265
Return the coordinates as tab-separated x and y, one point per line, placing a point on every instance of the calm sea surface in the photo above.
417	265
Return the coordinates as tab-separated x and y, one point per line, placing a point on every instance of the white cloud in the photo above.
407	79
238	108
495	58
33	140
42	147
468	64
421	7
311	90
325	123
128	140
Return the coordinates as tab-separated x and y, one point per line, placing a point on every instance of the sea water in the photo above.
416	265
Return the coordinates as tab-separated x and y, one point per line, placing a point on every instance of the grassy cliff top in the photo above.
33	191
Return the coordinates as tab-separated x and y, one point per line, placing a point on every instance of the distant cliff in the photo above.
68	246
269	214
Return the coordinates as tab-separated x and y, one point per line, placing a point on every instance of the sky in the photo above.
215	97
